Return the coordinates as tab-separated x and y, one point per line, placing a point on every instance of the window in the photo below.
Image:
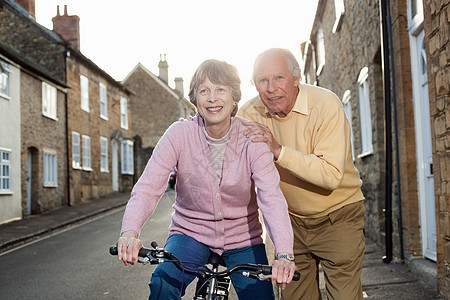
320	51
364	111
76	161
340	10
50	169
348	112
103	101
103	154
415	16
86	153
5	72
84	90
5	171
123	112
127	157
48	100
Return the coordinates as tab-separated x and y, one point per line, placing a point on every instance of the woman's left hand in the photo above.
283	271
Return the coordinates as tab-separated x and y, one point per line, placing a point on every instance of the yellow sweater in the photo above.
315	164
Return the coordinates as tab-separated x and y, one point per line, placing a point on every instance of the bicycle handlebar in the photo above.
155	256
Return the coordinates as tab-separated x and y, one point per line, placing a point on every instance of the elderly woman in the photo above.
216	207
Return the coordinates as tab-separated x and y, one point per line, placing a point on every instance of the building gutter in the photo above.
397	159
387	130
68	164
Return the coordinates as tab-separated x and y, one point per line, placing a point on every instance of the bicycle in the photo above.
212	284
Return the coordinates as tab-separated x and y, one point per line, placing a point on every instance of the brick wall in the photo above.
437	35
40	133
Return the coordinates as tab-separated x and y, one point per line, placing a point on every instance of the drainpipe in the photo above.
68	164
388	133
397	160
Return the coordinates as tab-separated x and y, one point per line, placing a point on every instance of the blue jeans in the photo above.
169	282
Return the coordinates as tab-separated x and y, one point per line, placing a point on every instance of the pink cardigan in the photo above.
222	215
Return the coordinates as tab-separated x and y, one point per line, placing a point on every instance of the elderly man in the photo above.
306	129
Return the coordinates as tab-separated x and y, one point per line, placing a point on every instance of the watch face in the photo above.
287	256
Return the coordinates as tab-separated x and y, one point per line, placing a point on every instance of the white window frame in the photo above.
49	101
5	171
103	101
76	150
87	161
127	157
50	162
123	112
104	154
415	22
5	81
320	51
84	92
346	101
340	11
365	113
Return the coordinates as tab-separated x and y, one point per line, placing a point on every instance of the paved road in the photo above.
75	264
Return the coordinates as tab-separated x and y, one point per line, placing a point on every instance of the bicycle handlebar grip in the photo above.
113	250
267	270
142	252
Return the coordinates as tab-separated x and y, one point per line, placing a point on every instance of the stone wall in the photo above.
38	134
32	40
437	35
93	183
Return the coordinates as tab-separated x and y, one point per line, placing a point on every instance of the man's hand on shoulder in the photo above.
264	136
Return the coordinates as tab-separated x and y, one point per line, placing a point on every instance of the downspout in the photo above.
397	160
68	164
387	131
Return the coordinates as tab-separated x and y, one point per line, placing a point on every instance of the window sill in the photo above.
104	171
87	169
50	117
76	167
104	118
5	97
6	193
365	154
50	185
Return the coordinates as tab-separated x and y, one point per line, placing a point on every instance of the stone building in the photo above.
437	46
75	117
41	95
405	190
100	144
155	106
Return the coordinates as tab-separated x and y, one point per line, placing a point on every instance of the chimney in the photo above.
28	5
68	27
179	85
163	69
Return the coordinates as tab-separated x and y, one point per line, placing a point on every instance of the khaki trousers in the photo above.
337	242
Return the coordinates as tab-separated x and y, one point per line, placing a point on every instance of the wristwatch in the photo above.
286	256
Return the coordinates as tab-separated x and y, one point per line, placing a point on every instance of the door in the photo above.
424	148
115	165
29	179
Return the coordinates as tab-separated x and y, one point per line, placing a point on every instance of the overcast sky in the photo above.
117	35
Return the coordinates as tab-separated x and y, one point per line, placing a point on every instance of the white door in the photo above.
115	165
424	148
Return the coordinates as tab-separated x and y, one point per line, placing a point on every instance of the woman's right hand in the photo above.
128	247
